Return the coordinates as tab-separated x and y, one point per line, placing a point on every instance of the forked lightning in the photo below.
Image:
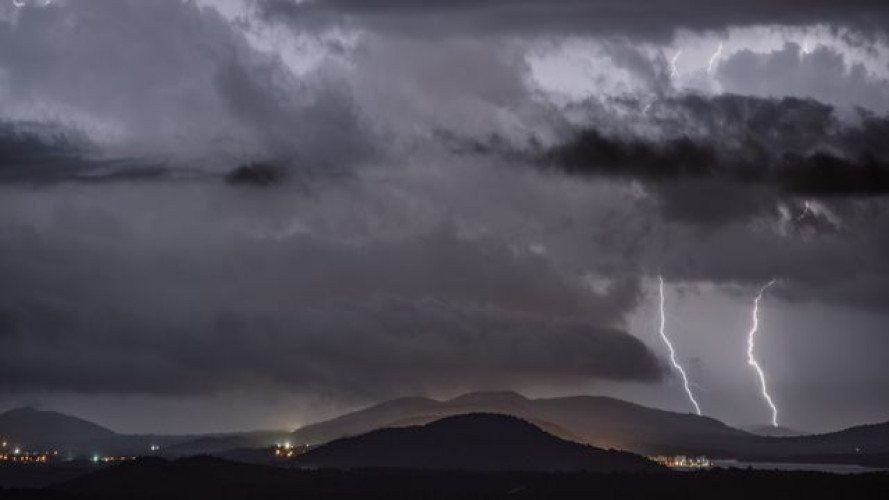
676	365
751	360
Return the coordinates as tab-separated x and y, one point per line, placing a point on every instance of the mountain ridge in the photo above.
607	423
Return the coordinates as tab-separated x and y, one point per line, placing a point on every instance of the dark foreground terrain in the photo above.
211	478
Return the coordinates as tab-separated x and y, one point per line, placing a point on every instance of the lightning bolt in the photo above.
676	365
673	62
713	59
751	360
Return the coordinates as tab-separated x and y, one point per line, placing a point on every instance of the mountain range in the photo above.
606	423
41	430
590	420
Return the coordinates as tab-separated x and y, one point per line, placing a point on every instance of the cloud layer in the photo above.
362	199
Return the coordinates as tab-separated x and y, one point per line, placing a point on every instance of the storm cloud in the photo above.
348	200
334	348
89	292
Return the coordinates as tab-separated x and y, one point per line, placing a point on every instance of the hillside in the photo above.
483	442
861	440
30	428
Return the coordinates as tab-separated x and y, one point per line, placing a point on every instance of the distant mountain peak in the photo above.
488	396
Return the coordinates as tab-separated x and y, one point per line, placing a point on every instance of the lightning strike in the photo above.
751	360
676	365
714	59
673	62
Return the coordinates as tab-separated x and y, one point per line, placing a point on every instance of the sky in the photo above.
252	214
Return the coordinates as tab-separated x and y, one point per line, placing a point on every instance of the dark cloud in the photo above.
648	19
336	348
260	174
787	177
32	149
818	174
797	147
111	302
35	153
823	174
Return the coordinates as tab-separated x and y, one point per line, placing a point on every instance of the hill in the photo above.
858	440
483	442
37	429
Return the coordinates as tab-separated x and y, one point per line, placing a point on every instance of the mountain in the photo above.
606	423
37	429
597	421
482	442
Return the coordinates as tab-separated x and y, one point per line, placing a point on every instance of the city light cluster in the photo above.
683	462
14	454
97	459
287	450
